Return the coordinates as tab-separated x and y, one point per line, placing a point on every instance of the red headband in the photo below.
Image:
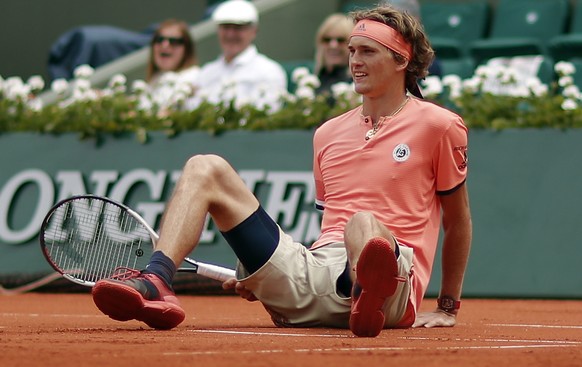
384	35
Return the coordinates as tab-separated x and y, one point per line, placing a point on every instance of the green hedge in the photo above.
493	98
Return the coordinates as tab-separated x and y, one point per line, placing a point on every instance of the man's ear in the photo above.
403	65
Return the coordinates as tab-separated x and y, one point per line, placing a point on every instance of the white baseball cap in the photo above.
236	12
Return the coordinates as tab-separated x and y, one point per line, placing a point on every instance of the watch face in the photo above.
447	303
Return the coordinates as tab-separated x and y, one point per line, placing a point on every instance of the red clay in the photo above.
67	330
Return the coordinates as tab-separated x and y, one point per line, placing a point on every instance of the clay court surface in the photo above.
43	329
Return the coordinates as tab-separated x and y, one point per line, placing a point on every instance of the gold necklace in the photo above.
376	126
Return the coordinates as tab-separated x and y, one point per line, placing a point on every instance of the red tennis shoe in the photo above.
130	294
376	280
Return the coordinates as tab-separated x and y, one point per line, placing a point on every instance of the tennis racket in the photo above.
85	238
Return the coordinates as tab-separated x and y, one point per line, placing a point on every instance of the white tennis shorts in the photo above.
297	286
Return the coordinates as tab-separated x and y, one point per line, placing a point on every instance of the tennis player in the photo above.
388	174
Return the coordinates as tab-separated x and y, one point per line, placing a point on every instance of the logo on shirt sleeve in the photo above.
401	153
461	156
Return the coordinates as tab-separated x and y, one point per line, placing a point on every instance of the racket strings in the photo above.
88	239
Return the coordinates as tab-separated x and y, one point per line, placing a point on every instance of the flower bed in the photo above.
494	98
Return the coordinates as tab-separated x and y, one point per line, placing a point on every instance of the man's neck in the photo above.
385	105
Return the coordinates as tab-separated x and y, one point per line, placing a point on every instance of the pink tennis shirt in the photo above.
398	175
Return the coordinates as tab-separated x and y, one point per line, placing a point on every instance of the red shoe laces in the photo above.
124	273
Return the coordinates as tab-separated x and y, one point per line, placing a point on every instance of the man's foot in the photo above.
376	279
130	294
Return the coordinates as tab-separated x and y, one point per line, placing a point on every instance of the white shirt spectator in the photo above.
251	78
169	89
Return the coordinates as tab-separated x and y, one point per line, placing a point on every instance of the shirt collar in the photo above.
244	57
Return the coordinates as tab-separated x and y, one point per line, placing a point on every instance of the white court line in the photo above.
12	314
505	344
490	340
539	326
366	350
270	333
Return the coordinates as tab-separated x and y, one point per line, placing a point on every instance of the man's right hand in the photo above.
239	288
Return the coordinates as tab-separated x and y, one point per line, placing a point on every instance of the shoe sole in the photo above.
123	303
376	273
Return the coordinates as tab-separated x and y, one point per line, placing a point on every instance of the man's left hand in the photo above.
437	318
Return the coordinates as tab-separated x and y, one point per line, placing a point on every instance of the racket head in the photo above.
87	237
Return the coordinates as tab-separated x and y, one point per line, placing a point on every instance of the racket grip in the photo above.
215	272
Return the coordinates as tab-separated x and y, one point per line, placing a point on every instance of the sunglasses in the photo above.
337	39
173	41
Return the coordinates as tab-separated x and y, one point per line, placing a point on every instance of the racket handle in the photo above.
214	271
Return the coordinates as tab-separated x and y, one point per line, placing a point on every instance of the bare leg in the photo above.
374	272
208	184
360	228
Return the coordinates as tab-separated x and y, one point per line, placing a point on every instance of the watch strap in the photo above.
448	304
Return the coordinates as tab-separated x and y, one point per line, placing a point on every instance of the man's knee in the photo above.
206	166
363	220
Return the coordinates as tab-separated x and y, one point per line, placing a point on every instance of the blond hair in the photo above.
337	22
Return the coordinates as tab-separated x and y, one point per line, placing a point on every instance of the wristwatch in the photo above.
448	304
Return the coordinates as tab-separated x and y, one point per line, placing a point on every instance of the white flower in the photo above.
185	88
519	91
509	76
15	89
241	102
571	91
432	86
13	81
451	80
228	91
117	83
139	86
177	98
169	78
564	68
565	81
83	71
203	94
569	104
341	90
299	73
35	104
472	85
145	103
305	92
82	84
36	83
455	85
82	94
536	87
309	80
289	97
482	71
60	86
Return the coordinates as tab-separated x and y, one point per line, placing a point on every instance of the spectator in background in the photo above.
241	73
172	62
331	51
93	45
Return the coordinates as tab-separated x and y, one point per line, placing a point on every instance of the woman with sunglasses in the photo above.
172	59
331	55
